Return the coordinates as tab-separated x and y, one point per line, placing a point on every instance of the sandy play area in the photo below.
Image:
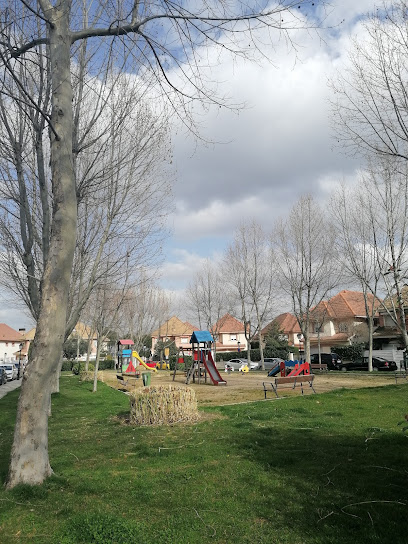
248	387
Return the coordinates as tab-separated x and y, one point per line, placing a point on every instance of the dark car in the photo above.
379	364
3	376
332	360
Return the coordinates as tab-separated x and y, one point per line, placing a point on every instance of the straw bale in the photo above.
161	405
86	376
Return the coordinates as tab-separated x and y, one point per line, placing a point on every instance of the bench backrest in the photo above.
293	379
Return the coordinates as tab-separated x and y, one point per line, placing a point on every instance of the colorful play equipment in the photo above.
130	359
203	363
298	368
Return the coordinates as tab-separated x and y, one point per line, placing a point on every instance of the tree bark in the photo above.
98	354
29	456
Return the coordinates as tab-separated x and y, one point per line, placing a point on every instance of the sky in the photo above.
258	162
276	149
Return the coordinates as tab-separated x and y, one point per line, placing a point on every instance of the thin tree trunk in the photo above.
370	343
29	455
98	352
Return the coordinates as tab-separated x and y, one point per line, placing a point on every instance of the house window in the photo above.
184	341
317	327
343	327
12	343
233	337
6	344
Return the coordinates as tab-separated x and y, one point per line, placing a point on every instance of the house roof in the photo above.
392	301
7	334
83	331
29	335
228	323
286	322
346	304
175	327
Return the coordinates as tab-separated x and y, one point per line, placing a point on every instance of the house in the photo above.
229	334
10	342
81	330
387	335
176	331
340	321
288	324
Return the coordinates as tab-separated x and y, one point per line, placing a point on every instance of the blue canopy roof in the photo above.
201	336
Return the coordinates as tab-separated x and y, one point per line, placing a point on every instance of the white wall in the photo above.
396	355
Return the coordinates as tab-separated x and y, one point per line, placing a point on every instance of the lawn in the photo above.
327	468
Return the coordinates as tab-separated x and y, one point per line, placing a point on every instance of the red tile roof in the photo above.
286	322
175	327
7	334
228	323
346	304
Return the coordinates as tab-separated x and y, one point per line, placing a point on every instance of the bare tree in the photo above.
121	192
356	234
206	298
386	196
305	259
249	267
142	309
161	34
369	105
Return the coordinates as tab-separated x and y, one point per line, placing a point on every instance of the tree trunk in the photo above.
29	455
306	341
370	343
98	353
56	377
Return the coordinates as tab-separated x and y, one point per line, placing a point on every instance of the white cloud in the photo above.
276	149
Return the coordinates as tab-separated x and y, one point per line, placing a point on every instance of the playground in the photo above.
248	387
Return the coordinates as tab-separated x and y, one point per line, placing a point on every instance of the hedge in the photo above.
256	354
75	366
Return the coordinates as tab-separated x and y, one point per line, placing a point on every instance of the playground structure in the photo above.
290	368
300	368
203	363
128	362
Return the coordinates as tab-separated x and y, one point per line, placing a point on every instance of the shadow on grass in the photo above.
330	480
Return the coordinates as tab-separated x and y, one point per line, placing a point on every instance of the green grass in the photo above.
328	468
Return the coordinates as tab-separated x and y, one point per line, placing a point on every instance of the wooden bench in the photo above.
321	368
292	381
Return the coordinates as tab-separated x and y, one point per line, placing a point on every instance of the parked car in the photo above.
379	364
10	370
332	360
271	362
19	369
3	376
238	364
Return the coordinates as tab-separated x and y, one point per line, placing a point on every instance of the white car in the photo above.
11	371
238	364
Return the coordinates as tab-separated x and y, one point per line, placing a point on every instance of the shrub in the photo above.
160	405
349	353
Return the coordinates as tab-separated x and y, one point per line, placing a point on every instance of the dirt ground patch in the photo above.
248	387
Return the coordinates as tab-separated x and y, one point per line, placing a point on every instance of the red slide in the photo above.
303	368
212	370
